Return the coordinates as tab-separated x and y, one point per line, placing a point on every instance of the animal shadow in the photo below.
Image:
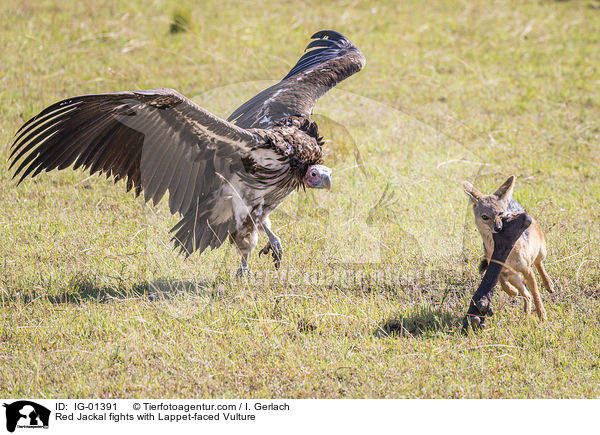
421	322
85	287
161	288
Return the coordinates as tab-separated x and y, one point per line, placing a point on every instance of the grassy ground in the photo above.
94	303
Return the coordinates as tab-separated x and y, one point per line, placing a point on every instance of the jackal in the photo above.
530	249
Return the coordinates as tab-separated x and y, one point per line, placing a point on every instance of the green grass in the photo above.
377	273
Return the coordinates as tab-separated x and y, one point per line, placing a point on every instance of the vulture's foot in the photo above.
276	249
243	272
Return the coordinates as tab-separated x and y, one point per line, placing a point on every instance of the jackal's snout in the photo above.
497	224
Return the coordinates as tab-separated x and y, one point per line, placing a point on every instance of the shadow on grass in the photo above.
422	321
86	288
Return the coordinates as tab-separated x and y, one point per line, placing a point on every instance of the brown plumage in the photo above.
223	177
332	58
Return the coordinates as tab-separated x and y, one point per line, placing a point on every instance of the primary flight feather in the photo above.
223	177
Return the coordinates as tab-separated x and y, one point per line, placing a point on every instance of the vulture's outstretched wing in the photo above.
332	58
157	139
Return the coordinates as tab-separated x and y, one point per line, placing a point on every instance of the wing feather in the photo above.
331	59
184	186
197	178
169	169
157	139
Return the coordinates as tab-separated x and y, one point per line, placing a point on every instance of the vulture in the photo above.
224	177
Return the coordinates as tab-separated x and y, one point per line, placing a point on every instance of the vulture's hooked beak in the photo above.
318	177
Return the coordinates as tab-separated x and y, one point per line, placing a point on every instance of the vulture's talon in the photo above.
276	252
243	272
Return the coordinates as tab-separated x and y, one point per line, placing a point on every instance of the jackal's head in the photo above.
489	209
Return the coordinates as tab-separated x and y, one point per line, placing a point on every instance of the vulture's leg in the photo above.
244	270
245	241
274	244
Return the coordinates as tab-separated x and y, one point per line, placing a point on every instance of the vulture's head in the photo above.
318	177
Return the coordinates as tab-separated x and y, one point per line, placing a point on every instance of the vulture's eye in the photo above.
484	217
313	173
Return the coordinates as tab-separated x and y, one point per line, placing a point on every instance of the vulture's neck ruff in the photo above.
296	139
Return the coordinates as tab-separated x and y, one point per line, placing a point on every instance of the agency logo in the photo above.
26	414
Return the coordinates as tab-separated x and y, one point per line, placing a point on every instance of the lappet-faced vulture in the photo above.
223	177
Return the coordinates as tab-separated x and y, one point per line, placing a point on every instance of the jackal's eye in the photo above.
484	217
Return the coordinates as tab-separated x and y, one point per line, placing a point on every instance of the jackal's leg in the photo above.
515	280
535	292
546	280
508	287
274	244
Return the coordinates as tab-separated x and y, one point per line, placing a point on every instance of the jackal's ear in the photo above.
471	191
505	191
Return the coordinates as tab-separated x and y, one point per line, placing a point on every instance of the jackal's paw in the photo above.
527	305
276	251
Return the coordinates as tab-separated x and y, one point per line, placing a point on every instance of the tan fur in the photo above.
530	250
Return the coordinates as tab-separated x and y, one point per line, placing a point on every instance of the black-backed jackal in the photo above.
517	275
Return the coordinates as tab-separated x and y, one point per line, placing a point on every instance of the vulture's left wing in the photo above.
331	59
